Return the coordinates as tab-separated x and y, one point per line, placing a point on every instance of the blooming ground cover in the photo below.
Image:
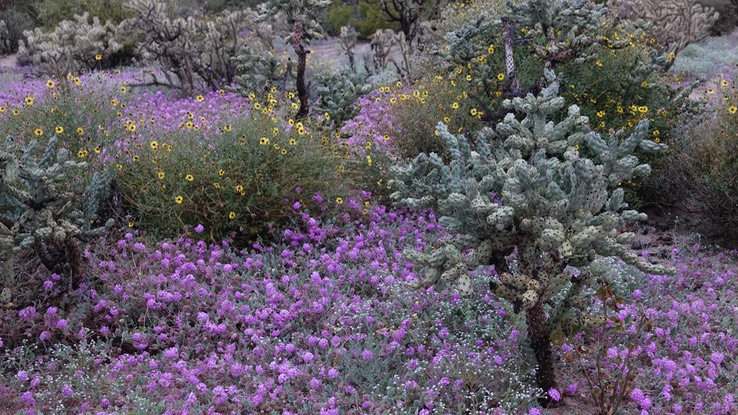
319	315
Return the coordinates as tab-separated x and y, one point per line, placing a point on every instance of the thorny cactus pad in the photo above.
557	209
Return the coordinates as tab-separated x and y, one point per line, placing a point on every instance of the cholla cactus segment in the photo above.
339	92
51	212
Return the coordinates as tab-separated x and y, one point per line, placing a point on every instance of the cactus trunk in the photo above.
302	90
540	341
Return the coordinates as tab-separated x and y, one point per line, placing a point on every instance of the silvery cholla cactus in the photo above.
338	93
71	47
54	212
555	210
555	206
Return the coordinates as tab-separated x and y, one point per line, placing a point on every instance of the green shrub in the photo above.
13	22
52	12
701	170
234	180
366	17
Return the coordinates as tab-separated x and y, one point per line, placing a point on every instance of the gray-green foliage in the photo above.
557	208
73	46
258	69
13	22
55	208
338	93
193	52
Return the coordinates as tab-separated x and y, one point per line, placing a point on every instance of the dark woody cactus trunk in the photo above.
302	91
540	341
508	40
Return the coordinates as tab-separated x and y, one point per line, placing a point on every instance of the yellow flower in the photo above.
393	100
455	105
189	178
131	127
119	166
231	215
656	132
724	82
189	124
283	152
50	83
228	128
216	185
327	116
369	160
732	109
710	91
600	114
473	111
656	140
221	172
644	84
491	49
293	141
59	129
178	199
97	150
123	89
263	141
598	63
643	109
257	106
39	132
239	188
500	76
200	98
2	109
161	175
136	158
130	224
80	130
30	100
98	57
339	200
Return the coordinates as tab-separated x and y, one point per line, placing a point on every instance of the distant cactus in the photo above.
72	47
56	212
192	52
557	209
257	70
673	23
347	39
301	16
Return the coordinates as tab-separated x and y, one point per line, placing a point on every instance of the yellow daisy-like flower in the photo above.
468	77
119	166
221	172
136	158
598	63
39	132
239	188
339	200
291	121
656	132
455	105
275	131
276	146
59	129
257	106
500	76
98	57
50	83
657	140
263	141
30	100
327	116
80	130
231	215
724	82
283	152
643	109
216	185
77	81
154	145
732	109
393	100
189	177
200	98
491	49
123	89
190	115
178	199
228	128
130	224
81	154
189	124
161	175
293	142
2	109
221	92
301	131
710	91
131	127
473	111
600	114
97	150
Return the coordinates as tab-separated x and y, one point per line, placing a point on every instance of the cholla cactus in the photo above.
190	51
52	219
557	209
72	47
673	23
258	70
5	44
382	43
301	15
338	92
347	39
